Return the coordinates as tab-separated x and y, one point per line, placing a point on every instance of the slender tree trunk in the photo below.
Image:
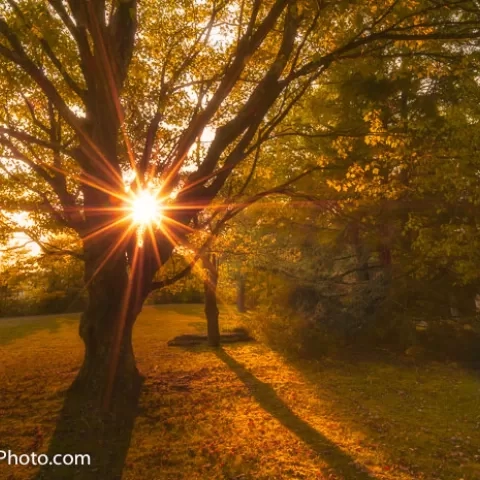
241	293
211	307
361	254
453	301
363	273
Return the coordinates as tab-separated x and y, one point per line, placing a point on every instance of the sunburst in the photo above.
147	209
146	212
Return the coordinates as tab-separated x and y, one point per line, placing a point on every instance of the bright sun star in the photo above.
146	209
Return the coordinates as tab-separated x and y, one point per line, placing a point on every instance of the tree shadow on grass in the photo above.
82	429
268	399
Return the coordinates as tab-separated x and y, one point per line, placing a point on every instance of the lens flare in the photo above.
146	213
146	209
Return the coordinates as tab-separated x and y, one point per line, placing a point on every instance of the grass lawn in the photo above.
244	412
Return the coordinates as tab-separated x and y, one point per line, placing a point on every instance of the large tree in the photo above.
94	90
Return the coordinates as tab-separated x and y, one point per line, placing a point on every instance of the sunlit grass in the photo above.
246	413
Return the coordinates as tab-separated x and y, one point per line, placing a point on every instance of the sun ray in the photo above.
110	67
112	251
83	179
94	183
154	245
117	340
172	221
107	257
105	228
105	210
171	237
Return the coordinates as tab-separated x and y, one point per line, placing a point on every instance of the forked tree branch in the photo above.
230	213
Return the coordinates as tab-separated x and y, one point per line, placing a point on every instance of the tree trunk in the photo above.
114	293
211	306
107	334
241	294
361	254
106	326
100	407
99	412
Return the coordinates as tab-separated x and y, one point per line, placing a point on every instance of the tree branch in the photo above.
247	45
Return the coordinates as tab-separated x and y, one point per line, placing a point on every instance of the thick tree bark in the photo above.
100	407
106	329
106	325
107	322
87	424
211	305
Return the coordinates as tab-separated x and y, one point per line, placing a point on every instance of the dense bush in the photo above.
306	320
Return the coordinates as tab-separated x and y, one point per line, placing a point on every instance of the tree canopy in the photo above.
196	103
